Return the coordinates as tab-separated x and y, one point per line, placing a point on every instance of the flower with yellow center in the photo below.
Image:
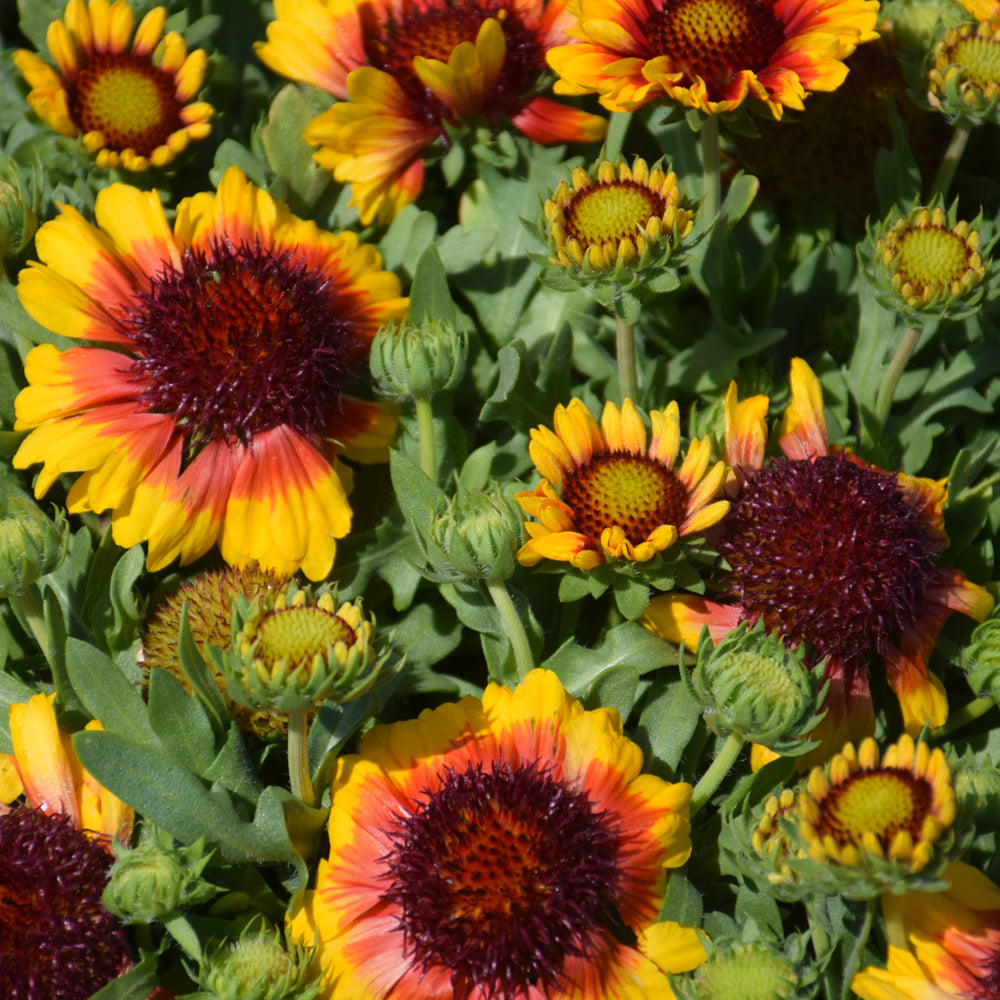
132	106
408	75
711	55
616	221
211	406
506	848
927	264
963	80
606	494
942	945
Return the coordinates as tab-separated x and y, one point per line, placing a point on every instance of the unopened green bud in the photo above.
914	25
262	964
476	537
755	686
31	543
295	649
977	792
20	202
157	878
418	360
981	659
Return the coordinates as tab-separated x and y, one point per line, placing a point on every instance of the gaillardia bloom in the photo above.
502	849
963	80
710	54
405	72
607	495
214	407
942	945
53	780
132	106
57	940
834	552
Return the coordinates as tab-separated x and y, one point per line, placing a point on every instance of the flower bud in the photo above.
262	964
20	202
963	82
297	649
981	659
157	878
753	685
409	361
476	537
31	544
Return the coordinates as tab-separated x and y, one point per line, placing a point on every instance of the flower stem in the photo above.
628	372
425	431
952	155
717	770
883	401
710	165
298	757
962	717
34	618
513	627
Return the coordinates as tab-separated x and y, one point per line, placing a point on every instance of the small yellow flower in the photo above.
963	81
607	495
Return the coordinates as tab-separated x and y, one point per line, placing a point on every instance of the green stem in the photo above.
963	716
717	770
628	371
710	164
34	619
298	757
883	401
425	430
513	627
952	155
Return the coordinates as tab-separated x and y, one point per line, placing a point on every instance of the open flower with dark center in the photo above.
57	942
502	849
214	406
606	494
942	945
403	73
836	553
132	105
963	80
710	54
927	264
53	781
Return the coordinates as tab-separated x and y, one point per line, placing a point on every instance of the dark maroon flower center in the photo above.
242	339
57	942
501	875
829	553
126	98
714	39
433	32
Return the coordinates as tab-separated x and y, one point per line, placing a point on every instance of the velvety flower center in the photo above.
500	875
632	492
131	102
882	801
830	553
391	44
242	339
715	39
611	212
299	634
57	942
932	257
979	58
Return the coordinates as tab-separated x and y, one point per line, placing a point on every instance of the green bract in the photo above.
418	360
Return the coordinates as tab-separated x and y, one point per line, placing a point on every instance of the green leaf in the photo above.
199	676
667	721
430	297
136	984
107	693
682	901
180	722
109	606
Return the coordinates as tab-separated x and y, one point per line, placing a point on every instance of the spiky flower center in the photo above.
829	553
297	634
883	801
979	58
433	30
763	677
500	875
254	960
130	101
751	973
612	212
57	942
715	39
932	257
240	339
618	489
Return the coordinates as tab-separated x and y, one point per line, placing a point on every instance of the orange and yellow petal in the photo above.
548	122
681	617
746	431
803	427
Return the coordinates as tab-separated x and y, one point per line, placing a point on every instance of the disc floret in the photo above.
963	79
